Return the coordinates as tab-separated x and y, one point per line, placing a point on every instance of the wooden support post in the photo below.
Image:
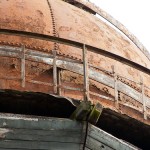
85	73
23	66
59	81
54	72
143	99
115	87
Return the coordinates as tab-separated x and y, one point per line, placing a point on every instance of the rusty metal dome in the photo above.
45	46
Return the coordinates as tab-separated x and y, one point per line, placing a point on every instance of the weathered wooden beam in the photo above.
25	132
42	133
143	100
40	83
97	137
115	87
70	88
93	144
101	96
15	144
85	74
71	136
23	66
59	81
38	123
54	71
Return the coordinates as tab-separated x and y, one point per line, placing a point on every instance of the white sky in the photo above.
134	14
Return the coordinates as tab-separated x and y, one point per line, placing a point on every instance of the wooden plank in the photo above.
39	133
129	91
96	145
54	72
85	73
108	139
38	123
95	75
7	51
70	88
84	133
23	66
67	139
57	136
40	82
101	96
143	100
15	144
42	134
50	132
59	81
115	87
63	134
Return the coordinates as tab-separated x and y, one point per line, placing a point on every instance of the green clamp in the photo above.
87	112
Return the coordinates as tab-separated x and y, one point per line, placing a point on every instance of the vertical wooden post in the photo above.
54	72
115	87
23	66
85	73
143	99
59	81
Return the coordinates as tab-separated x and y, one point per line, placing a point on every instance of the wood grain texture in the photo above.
97	139
37	133
30	133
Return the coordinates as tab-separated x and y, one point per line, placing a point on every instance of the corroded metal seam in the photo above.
55	32
77	68
117	24
39	49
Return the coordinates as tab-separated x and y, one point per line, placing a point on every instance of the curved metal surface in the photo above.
73	24
33	27
117	24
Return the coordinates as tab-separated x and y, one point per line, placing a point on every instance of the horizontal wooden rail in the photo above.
76	68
